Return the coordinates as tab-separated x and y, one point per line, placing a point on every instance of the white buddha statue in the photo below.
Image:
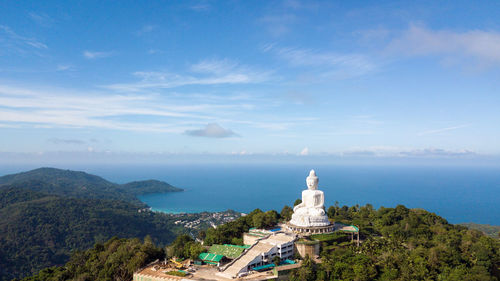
311	211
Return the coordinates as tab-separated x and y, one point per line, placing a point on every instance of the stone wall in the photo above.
310	248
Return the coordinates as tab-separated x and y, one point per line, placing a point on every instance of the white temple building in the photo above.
309	217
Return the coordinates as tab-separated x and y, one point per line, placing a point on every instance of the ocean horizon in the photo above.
459	194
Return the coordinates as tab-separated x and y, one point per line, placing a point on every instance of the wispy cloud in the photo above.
437	152
278	24
66	141
483	47
96	55
169	113
207	72
442	130
386	151
65	67
212	130
66	109
305	57
41	18
12	42
327	64
146	29
200	7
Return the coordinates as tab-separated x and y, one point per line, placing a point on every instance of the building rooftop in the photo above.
279	238
228	250
209	257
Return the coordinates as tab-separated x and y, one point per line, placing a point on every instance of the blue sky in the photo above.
334	78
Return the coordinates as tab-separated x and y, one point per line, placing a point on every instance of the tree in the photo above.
297	202
331	212
286	213
307	272
271	218
185	247
258	220
276	260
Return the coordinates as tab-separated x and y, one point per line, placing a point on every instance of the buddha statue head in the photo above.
312	181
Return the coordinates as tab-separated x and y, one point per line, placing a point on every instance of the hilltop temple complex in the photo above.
262	247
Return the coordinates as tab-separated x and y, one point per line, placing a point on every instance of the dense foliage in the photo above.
232	232
185	247
117	259
41	232
148	186
403	244
46	213
398	244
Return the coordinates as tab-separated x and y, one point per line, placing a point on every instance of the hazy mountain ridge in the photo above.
490	230
79	184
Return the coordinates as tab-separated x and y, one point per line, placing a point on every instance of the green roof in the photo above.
211	258
230	251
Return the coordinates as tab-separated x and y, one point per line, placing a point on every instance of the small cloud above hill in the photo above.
212	130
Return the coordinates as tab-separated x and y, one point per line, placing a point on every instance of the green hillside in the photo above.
117	259
41	230
404	244
47	213
397	244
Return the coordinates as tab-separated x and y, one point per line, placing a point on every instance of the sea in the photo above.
457	193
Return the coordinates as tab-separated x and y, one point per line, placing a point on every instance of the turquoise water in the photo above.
459	194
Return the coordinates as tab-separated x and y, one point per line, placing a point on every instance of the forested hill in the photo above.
40	230
397	244
82	185
47	213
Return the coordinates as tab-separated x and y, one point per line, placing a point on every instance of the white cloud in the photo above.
207	72
278	24
170	113
146	29
64	67
96	55
66	141
200	7
306	57
304	151
18	44
442	130
481	46
400	152
327	64
214	66
212	130
41	18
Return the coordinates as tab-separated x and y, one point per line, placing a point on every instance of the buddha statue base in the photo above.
308	221
310	230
